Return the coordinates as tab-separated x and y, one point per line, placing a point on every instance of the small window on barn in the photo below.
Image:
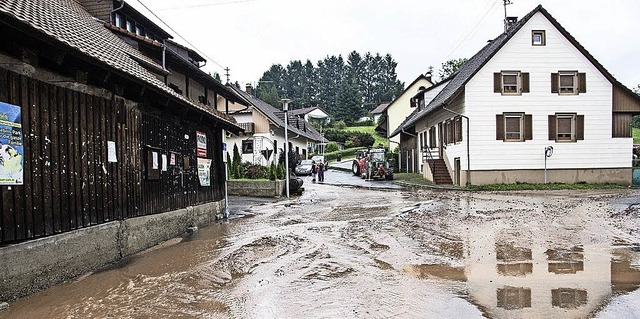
538	38
247	147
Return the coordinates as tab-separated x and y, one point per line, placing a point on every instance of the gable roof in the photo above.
66	24
307	110
420	77
380	108
460	78
276	116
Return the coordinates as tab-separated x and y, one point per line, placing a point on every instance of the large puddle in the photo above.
345	253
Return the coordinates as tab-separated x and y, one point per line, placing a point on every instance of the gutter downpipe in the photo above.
114	10
413	135
468	157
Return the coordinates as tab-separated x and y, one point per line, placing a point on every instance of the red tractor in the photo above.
372	164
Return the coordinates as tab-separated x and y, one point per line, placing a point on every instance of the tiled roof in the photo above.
66	22
380	108
276	116
459	79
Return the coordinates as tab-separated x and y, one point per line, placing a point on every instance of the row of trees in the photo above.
347	89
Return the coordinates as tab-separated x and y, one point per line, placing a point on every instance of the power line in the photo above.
203	5
475	27
178	34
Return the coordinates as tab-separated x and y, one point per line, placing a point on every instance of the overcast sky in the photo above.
248	36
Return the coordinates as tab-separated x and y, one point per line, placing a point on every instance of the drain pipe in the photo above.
468	157
114	10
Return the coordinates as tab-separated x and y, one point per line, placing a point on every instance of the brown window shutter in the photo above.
525	82
554	83
552	127
580	127
497	82
582	82
528	127
500	127
459	129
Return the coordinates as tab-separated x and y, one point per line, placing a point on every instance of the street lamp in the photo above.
285	108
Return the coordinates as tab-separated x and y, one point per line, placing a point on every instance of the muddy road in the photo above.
339	252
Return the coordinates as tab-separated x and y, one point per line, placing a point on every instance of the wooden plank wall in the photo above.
68	181
179	186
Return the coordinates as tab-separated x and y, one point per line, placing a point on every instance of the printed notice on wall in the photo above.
204	171
172	160
11	145
164	162
111	152
154	156
201	144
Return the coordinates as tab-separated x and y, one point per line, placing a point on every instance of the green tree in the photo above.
450	67
236	169
349	102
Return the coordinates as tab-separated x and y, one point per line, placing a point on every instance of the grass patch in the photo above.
549	186
635	132
412	178
371	130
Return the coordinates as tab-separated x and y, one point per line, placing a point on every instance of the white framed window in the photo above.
567	82
511	82
513	127
538	38
565	127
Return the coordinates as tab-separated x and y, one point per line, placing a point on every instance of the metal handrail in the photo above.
430	160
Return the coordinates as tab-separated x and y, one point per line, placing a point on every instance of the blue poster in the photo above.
11	146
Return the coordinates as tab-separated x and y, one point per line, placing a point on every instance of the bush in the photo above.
340	125
350	139
254	171
332	147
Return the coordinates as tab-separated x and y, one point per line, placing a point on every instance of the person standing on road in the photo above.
320	168
313	170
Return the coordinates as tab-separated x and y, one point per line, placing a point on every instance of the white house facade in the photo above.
538	108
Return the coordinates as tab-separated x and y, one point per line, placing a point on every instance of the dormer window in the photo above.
538	38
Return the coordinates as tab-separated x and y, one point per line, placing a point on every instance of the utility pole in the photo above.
227	74
505	3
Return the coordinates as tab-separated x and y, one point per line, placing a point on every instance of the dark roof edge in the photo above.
421	76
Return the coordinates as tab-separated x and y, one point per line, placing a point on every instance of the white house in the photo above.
532	89
264	126
401	107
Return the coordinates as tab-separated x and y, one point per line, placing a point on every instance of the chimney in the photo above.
509	22
249	88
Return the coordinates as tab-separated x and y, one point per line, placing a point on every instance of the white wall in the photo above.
597	150
400	108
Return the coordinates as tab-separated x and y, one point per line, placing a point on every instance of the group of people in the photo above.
317	169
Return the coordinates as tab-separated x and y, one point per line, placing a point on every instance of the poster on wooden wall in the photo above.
11	145
204	171
201	144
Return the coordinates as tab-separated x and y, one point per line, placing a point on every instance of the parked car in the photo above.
304	167
320	159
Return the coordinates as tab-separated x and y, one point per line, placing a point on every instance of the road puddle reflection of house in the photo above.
519	274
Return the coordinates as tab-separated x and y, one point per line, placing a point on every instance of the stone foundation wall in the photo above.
40	263
256	188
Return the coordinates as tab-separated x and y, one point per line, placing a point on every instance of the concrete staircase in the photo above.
441	173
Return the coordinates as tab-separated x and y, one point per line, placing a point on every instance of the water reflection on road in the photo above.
339	252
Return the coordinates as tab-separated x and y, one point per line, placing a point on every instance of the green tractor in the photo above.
372	164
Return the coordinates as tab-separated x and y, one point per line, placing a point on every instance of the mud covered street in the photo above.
340	252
